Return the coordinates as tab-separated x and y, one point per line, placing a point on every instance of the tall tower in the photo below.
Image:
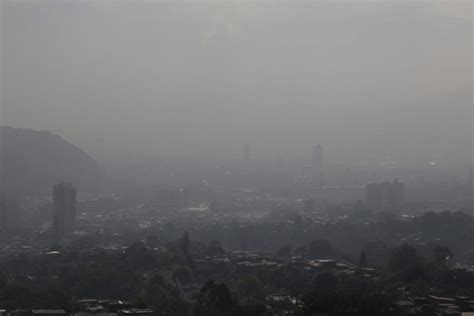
64	210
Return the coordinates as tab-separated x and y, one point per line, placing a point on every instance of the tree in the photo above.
441	254
320	249
184	274
341	303
73	305
3	279
251	289
325	280
216	300
139	257
300	251
404	257
153	241
215	247
185	244
378	252
164	297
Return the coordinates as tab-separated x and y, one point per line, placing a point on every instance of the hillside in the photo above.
32	161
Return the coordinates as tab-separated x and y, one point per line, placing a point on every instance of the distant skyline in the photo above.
142	79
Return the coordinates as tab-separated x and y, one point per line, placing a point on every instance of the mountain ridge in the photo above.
31	161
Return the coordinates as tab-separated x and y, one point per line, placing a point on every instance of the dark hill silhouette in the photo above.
32	161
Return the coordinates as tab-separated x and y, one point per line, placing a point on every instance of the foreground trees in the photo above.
336	303
216	300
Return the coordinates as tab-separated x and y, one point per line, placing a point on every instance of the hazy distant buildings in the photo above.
386	196
317	165
279	162
304	178
171	199
64	210
309	206
317	158
3	219
8	209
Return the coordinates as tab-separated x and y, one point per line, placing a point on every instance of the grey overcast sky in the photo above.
200	78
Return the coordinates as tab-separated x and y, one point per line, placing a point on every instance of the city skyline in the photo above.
236	158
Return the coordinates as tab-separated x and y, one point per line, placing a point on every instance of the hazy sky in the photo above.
363	78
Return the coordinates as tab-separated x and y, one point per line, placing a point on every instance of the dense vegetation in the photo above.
148	277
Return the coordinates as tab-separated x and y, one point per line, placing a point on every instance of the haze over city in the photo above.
234	158
154	79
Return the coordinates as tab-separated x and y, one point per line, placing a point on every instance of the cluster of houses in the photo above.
87	307
437	306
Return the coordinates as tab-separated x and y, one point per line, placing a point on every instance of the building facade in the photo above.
64	210
386	196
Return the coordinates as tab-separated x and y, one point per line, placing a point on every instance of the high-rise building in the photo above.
64	210
386	196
